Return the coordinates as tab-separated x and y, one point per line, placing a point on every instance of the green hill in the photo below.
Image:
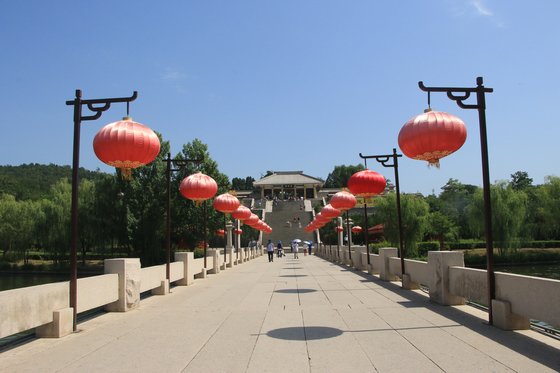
33	181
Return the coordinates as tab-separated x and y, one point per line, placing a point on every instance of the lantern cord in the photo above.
128	107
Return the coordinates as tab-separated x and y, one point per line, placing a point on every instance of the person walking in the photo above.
270	251
295	249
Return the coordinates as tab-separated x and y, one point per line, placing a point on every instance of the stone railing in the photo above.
518	298
45	308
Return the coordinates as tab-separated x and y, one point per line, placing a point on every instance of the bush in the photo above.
424	247
198	253
467	245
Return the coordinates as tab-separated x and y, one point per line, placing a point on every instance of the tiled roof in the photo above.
288	178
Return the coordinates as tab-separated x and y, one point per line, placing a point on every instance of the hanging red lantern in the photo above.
431	136
226	203
220	232
322	218
252	220
126	145
356	229
330	212
198	187
237	231
366	183
339	229
343	201
241	213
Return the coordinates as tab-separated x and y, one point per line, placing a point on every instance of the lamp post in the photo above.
78	102
349	222
459	95
180	163
384	159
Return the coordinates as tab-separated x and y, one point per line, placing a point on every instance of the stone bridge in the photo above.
249	315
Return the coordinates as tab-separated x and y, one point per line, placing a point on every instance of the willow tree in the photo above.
414	211
509	209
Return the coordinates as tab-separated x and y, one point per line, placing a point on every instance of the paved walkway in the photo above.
305	315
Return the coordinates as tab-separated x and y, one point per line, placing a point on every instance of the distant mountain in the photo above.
33	181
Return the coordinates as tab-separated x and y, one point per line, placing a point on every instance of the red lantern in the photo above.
322	218
330	212
252	220
241	213
126	145
356	229
343	201
431	136
220	232
339	229
226	203
198	187
366	183
238	231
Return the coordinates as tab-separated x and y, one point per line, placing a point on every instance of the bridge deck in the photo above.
304	315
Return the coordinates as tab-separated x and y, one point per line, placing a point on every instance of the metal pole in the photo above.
487	199
366	238
349	235
74	208
225	240
168	218
205	232
399	214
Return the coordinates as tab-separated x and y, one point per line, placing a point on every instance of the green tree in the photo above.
414	211
189	218
508	214
145	199
520	180
53	227
454	198
242	184
441	228
338	178
545	209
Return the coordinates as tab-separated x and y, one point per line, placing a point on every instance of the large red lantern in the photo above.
238	231
330	212
339	229
343	201
241	213
126	145
431	136
226	203
366	183
198	187
220	232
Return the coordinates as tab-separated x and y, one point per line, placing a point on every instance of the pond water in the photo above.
547	271
19	280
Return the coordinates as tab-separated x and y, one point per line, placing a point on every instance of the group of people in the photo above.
307	246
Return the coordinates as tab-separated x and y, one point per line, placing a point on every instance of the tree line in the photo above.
116	217
521	213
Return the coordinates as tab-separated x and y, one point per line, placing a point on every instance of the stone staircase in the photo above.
285	224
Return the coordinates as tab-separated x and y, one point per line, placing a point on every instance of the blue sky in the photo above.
285	85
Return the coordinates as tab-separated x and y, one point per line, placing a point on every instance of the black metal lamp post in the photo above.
105	104
349	232
459	95
383	159
180	163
